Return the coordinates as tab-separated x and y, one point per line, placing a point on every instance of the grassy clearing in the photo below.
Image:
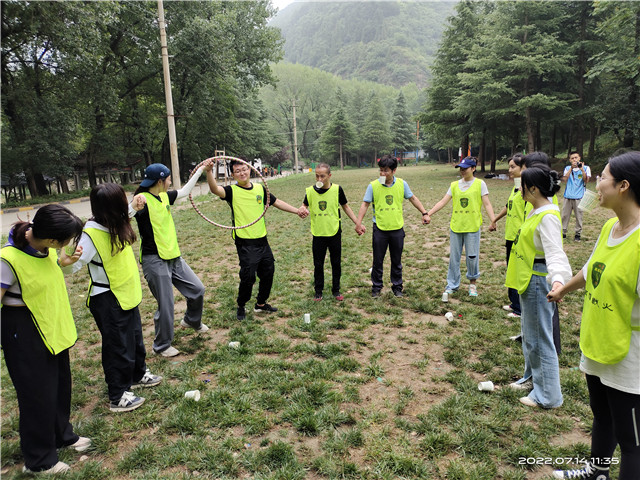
373	388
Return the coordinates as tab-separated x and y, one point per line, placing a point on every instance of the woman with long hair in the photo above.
115	293
610	327
538	261
37	333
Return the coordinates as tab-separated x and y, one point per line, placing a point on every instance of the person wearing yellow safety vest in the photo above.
514	211
387	195
115	293
162	264
537	264
610	327
469	194
323	201
37	333
247	201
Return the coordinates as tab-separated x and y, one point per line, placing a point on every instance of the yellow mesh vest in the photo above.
467	214
324	211
164	230
387	203
247	205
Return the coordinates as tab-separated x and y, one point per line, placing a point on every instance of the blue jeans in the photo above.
471	243
540	357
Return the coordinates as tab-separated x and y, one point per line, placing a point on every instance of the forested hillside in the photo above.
387	42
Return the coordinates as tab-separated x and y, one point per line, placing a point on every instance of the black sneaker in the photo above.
241	314
564	235
375	293
576	238
127	402
264	308
588	472
398	293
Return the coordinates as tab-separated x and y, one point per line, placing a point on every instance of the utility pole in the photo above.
295	139
173	142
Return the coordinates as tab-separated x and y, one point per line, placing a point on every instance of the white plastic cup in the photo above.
486	386
589	201
319	184
307	318
234	344
517	182
193	395
382	179
448	316
445	297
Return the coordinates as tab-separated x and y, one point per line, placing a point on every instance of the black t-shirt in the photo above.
147	241
228	197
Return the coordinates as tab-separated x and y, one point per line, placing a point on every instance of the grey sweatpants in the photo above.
162	276
569	204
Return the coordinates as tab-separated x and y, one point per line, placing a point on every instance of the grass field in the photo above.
380	388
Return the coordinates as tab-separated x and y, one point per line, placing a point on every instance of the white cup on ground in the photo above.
445	297
307	318
589	201
193	395
448	316
234	344
486	386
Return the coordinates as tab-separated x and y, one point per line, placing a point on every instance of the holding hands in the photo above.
360	229
138	202
303	211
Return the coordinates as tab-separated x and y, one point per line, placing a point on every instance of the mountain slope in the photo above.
386	42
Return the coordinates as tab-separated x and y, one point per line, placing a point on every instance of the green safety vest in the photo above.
528	207
45	295
467	205
515	214
325	211
387	204
121	270
523	253
610	291
164	230
247	205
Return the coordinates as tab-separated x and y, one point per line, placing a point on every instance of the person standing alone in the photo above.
577	176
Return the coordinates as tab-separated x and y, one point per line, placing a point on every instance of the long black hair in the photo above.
110	209
626	166
541	177
535	159
53	222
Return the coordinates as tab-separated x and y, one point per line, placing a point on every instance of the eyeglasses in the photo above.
241	170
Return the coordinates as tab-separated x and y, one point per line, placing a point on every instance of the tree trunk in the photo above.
552	152
494	153
62	181
483	151
592	139
341	159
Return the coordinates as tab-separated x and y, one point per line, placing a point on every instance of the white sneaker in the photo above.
169	352
507	308
127	402
59	467
528	385
528	402
473	290
513	315
201	329
147	380
82	444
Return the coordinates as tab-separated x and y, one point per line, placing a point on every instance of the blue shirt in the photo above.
575	184
368	194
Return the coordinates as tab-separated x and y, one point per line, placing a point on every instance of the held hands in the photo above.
360	229
208	165
557	292
426	219
138	202
492	226
65	260
303	212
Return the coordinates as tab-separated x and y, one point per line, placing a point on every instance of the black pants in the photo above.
616	420
123	353
319	247
381	240
514	297
255	260
43	386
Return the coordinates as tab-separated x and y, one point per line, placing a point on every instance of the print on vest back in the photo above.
167	207
389	199
510	204
515	241
464	202
596	273
322	206
259	199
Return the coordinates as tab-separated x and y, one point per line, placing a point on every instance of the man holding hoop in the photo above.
247	202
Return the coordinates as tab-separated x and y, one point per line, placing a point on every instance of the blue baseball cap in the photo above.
153	173
466	163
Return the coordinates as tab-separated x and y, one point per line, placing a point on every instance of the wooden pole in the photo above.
295	139
173	142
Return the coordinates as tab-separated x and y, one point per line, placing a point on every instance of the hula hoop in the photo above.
225	158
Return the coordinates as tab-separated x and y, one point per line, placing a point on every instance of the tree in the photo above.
404	137
337	136
376	137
